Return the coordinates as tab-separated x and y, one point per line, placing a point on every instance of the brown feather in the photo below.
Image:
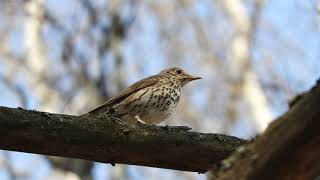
146	82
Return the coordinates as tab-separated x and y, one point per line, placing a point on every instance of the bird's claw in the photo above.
139	121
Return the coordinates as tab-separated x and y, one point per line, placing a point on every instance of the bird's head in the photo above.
179	74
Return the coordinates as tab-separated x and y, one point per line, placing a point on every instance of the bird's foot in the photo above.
139	120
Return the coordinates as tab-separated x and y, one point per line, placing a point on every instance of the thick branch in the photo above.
289	149
107	139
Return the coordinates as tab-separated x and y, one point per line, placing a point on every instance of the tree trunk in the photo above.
288	150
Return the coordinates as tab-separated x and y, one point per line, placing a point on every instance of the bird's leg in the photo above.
139	120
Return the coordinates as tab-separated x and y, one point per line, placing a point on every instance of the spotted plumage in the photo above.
151	100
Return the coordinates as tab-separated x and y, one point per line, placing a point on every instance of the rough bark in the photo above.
288	150
107	139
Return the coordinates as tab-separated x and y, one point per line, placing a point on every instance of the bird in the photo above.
150	100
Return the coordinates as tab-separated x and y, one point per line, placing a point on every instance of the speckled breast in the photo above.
153	104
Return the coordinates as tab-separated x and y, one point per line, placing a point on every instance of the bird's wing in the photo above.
146	82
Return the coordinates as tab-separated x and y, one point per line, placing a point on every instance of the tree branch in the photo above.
288	150
109	140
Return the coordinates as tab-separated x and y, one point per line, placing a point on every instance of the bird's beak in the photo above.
192	78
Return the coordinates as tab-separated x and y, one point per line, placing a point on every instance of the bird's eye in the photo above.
179	71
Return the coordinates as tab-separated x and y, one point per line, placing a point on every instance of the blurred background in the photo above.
70	56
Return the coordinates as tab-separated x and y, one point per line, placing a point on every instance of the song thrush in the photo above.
150	100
